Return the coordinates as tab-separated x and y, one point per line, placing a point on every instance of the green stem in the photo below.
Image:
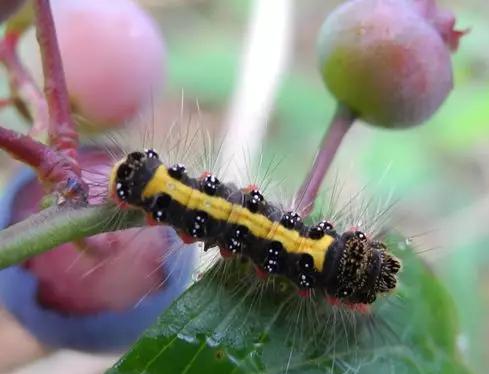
57	225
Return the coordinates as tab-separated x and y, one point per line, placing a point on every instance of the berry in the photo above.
388	60
113	58
81	295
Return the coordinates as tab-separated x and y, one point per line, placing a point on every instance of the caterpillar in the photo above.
348	267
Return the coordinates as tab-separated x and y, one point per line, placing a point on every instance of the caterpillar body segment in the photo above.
242	222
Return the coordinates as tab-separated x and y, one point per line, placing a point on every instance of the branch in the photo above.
62	129
57	225
340	124
53	168
5	103
23	85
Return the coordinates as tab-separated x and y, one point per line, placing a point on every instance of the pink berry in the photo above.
388	60
113	57
91	275
99	293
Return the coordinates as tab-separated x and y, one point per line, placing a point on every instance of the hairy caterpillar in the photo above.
349	266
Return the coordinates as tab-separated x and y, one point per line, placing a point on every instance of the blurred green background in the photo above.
437	173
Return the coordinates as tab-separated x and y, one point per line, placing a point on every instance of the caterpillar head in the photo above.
360	269
131	174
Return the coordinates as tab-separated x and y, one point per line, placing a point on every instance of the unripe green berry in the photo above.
386	61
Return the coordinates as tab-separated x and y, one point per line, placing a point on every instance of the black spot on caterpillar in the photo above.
241	222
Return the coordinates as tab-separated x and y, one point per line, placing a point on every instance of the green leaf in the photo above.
230	322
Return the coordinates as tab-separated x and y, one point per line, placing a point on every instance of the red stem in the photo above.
339	126
22	84
52	167
62	129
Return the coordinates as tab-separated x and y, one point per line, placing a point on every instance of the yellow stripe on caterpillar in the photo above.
221	209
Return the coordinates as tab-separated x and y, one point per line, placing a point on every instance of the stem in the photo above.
57	225
22	84
5	103
62	129
52	167
340	124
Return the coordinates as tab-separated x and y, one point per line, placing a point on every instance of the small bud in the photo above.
388	60
443	20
